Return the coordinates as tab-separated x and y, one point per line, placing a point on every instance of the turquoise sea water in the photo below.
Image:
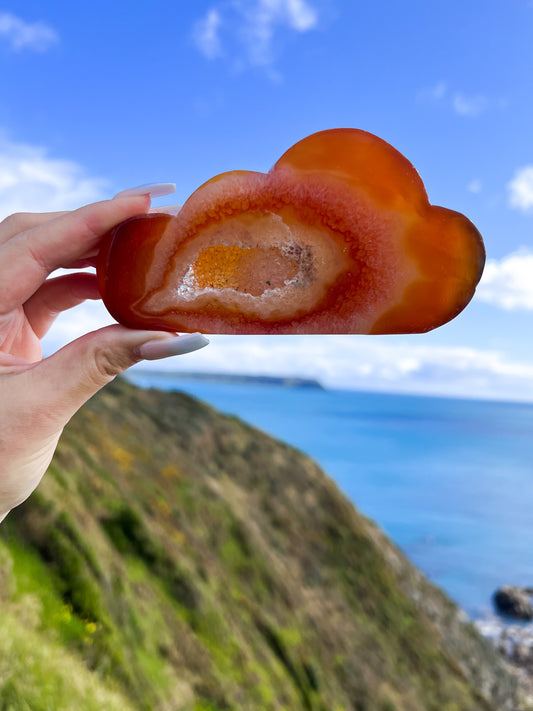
450	481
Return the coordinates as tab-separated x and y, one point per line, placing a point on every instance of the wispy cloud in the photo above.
508	282
347	362
475	186
370	362
521	189
469	105
21	35
32	180
463	104
206	34
436	92
245	31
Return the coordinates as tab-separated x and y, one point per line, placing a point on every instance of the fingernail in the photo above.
152	189
167	209
166	347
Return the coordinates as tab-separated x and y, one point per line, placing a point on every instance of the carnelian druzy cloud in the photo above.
339	237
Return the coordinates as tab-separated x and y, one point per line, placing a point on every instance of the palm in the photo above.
22	328
17	337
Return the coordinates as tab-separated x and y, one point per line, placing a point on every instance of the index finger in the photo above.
22	221
29	257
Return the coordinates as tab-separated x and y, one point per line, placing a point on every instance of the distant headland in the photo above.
230	378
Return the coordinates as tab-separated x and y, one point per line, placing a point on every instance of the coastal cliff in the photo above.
177	559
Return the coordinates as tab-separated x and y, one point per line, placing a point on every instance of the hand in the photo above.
38	397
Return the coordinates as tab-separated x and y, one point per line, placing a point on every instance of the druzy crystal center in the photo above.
248	270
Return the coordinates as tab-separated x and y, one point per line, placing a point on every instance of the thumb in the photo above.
64	381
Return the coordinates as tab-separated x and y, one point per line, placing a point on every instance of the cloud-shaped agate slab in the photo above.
339	237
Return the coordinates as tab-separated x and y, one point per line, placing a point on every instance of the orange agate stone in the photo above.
339	237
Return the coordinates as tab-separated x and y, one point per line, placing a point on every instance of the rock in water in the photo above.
514	601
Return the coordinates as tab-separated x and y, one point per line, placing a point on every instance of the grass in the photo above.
39	675
182	561
38	672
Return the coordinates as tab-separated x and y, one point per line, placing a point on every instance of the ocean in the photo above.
450	481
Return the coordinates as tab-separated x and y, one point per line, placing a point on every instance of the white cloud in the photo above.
21	35
475	186
508	282
206	34
461	103
469	105
245	31
297	14
31	180
369	362
388	364
438	91
521	189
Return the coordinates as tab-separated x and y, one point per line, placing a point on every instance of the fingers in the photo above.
61	383
22	221
29	257
57	295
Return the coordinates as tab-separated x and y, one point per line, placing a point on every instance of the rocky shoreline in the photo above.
514	641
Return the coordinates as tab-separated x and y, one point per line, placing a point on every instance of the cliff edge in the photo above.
177	559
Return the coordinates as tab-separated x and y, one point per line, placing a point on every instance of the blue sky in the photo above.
98	97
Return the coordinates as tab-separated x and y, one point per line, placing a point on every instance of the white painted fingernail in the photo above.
166	347
152	189
167	209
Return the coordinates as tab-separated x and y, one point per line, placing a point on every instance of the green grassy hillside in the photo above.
176	559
